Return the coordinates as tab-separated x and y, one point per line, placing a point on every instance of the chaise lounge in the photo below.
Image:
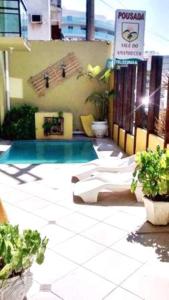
111	164
89	189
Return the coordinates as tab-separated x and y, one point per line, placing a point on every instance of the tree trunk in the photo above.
90	28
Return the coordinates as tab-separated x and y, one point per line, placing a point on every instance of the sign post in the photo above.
129	36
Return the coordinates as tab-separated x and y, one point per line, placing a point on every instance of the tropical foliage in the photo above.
19	250
152	171
99	98
19	123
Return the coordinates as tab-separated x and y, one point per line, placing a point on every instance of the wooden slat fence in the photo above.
131	86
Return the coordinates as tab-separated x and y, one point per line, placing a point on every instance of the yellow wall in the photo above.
122	134
70	95
153	141
129	144
115	133
39	121
141	139
2	89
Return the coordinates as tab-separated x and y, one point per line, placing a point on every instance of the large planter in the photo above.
139	193
157	211
17	287
99	128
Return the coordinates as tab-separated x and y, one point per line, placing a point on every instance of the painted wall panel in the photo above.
129	144
122	138
153	141
70	95
141	139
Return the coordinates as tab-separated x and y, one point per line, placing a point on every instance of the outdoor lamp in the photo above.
63	66
46	78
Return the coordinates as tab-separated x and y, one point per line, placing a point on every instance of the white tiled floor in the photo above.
90	255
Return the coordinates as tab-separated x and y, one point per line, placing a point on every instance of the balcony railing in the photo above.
13	18
71	20
81	34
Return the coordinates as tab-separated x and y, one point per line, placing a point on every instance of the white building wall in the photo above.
39	31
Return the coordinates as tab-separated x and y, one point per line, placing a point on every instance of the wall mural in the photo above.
55	74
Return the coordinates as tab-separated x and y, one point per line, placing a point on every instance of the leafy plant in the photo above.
47	126
19	123
60	114
152	171
19	250
101	102
99	98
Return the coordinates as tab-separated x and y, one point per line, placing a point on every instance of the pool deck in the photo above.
100	251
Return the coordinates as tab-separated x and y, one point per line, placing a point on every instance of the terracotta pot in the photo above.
17	287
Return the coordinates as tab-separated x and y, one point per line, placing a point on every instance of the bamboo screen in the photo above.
55	74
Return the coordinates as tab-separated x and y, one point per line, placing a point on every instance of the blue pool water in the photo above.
36	152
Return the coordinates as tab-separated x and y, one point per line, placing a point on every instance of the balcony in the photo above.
13	24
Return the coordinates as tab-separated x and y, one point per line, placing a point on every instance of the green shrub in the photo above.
152	171
19	123
18	250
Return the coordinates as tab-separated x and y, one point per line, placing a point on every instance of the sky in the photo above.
157	18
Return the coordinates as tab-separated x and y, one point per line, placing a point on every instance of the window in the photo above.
83	27
69	18
70	27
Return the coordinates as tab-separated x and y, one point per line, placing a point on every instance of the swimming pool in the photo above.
38	152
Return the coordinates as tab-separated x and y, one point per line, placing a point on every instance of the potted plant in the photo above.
101	102
18	251
100	99
47	126
152	172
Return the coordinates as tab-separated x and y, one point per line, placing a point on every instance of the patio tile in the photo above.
28	177
53	212
78	249
104	234
44	296
95	211
82	285
32	204
63	197
38	189
12	195
134	250
135	210
24	219
135	283
124	221
76	222
121	294
53	268
6	178
56	234
112	266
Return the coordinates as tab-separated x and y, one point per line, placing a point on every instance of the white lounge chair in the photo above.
88	189
110	164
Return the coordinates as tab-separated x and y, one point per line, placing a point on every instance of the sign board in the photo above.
129	34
